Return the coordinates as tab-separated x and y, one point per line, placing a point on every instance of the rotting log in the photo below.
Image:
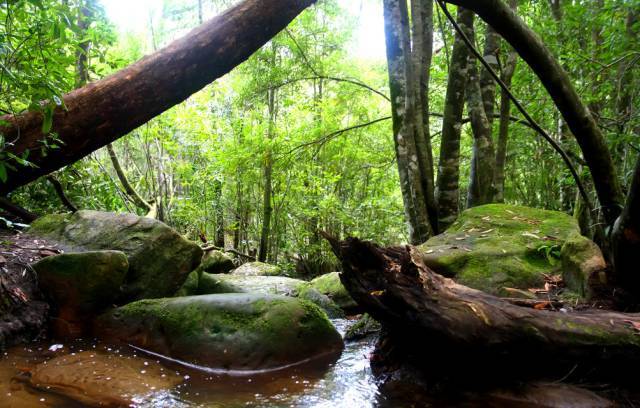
434	319
103	111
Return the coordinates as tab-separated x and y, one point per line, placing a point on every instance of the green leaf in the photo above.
3	173
47	122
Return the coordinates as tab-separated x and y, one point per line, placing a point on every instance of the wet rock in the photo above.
364	327
497	245
159	258
331	286
216	262
226	331
80	286
103	380
258	269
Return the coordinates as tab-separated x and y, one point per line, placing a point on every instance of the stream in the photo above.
346	383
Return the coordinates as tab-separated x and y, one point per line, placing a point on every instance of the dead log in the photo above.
434	319
103	111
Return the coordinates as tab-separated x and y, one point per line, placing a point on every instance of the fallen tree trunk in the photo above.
103	111
426	312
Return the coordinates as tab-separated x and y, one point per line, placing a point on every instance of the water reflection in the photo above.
347	382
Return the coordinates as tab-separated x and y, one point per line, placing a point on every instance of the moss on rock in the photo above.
216	262
497	245
331	286
159	258
230	331
581	261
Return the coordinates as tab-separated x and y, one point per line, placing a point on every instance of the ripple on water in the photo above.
347	382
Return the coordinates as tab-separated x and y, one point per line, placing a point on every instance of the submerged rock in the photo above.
103	380
548	395
159	258
216	262
331	286
81	285
226	331
497	245
258	269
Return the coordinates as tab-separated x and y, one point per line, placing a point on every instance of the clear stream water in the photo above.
346	383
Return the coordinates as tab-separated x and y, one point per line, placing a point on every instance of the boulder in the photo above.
497	245
190	286
330	285
81	285
266	285
258	269
159	258
98	379
226	331
216	262
582	260
364	327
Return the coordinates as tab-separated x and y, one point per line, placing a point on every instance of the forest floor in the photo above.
23	309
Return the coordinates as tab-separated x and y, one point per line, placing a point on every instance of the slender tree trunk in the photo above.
104	111
503	131
481	175
267	207
219	214
128	188
487	83
448	185
532	50
403	110
421	56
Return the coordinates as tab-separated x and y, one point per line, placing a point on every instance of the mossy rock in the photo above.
582	260
227	331
266	285
331	286
190	286
258	269
216	262
364	327
81	285
159	258
498	245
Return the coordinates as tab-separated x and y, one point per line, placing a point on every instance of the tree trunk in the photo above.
503	131
219	213
626	238
403	115
103	111
267	208
128	188
487	83
439	317
481	173
421	56
448	184
591	140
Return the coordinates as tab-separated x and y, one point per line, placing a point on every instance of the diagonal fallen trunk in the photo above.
106	110
427	312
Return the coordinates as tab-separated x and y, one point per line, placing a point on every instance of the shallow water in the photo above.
346	383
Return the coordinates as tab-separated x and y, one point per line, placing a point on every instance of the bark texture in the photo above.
503	130
448	184
103	111
582	124
403	111
395	287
